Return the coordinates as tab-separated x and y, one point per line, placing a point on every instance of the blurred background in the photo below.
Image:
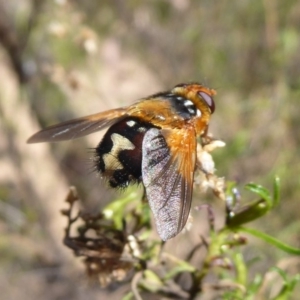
63	59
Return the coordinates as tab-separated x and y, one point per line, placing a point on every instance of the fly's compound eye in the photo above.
208	100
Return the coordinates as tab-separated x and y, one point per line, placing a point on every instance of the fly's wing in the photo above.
78	127
168	165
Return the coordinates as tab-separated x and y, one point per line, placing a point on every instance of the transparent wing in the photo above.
168	164
78	127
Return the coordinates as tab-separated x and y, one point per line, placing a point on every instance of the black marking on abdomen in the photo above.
119	155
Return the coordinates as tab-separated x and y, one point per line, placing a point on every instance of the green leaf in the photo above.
288	285
257	208
151	282
271	240
254	287
276	191
247	213
128	296
181	266
115	210
179	269
261	191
